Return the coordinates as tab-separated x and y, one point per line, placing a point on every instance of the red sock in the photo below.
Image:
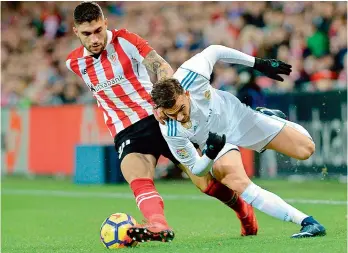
227	196
148	200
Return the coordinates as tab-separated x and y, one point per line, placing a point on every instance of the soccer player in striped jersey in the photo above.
114	64
195	109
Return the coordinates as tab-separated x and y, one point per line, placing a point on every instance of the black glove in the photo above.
272	68
215	143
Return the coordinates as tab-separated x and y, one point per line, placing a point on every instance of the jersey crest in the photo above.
113	57
207	94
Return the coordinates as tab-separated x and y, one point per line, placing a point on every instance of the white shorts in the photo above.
245	127
228	147
263	132
255	131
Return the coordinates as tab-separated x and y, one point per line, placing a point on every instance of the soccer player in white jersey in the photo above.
114	64
195	110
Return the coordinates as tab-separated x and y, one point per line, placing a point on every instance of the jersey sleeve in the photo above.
183	150
199	64
72	61
203	63
138	46
67	63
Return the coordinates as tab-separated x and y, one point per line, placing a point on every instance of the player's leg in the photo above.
138	170
292	140
138	162
267	129
201	183
206	184
212	187
230	171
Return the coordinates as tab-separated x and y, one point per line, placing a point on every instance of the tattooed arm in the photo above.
156	64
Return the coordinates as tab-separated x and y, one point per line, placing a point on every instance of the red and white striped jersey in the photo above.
117	78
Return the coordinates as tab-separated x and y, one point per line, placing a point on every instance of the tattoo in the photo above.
156	64
164	72
153	61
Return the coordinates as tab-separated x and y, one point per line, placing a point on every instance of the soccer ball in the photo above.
113	231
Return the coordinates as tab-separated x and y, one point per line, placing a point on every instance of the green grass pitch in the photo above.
54	216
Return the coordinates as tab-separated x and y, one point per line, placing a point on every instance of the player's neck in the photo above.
96	56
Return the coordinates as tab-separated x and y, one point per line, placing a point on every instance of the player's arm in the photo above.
157	65
145	54
270	67
185	152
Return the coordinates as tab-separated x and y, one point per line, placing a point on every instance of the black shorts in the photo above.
143	137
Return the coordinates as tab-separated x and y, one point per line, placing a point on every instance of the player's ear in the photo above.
187	93
75	31
106	23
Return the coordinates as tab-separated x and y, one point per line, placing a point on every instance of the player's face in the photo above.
181	110
93	35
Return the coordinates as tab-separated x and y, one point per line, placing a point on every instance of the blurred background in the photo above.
58	159
48	113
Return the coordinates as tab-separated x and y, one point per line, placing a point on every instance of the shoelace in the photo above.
307	228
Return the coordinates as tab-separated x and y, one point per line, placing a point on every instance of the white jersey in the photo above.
210	110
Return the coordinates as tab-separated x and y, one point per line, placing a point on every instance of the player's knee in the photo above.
310	149
306	150
236	182
239	185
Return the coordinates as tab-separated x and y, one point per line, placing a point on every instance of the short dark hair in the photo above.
87	12
165	92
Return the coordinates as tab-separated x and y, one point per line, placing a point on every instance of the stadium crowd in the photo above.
311	36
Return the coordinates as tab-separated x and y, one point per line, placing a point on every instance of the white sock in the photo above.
271	204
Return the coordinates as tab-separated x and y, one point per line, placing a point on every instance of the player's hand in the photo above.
272	68
215	143
159	115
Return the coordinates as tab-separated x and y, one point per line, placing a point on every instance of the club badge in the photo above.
207	94
113	57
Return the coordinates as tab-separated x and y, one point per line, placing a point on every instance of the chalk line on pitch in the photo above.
76	194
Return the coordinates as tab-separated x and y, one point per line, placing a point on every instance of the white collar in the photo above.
109	38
